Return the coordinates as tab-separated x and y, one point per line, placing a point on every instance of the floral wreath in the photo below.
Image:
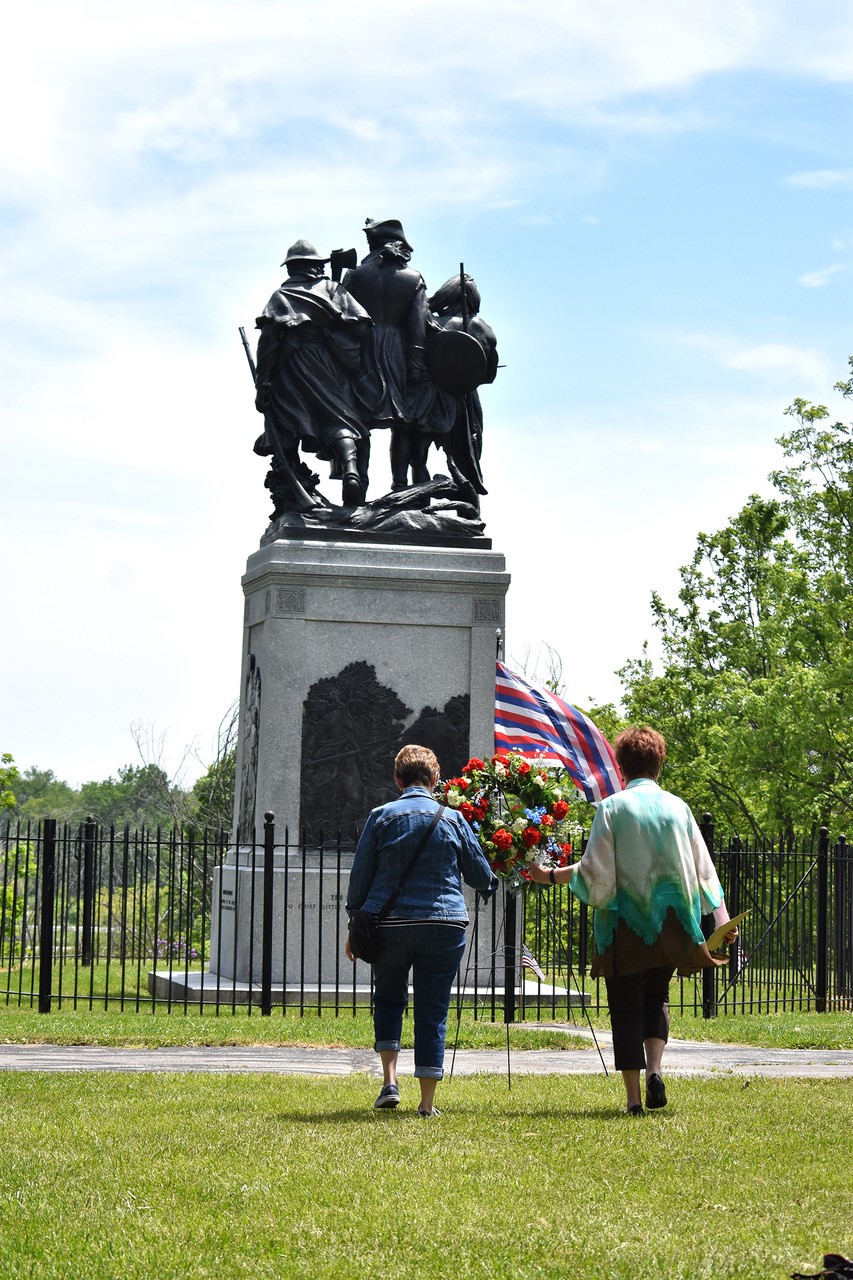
518	811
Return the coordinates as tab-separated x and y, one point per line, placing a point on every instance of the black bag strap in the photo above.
424	841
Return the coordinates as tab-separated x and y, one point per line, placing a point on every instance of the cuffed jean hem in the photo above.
386	1046
429	1073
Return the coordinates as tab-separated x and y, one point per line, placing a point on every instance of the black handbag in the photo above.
365	939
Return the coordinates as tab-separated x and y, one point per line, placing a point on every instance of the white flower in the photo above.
500	770
538	780
520	825
454	798
558	795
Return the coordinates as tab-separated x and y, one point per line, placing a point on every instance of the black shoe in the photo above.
636	1110
655	1092
389	1096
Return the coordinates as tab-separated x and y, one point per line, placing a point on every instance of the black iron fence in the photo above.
149	919
795	951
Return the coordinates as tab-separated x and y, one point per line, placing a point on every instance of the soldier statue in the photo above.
309	355
394	296
338	358
462	354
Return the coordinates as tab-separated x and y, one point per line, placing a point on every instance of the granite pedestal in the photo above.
349	650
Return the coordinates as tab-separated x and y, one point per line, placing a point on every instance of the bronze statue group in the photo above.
338	358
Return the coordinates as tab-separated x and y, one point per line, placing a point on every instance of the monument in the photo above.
369	622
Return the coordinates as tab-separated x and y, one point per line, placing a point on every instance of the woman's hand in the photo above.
732	934
538	873
348	950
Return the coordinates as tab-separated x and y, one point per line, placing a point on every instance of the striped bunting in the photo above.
535	722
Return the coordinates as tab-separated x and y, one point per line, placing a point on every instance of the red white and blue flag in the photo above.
535	722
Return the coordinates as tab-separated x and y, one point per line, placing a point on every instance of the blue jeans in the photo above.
433	952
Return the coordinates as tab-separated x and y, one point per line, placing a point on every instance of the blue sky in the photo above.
656	201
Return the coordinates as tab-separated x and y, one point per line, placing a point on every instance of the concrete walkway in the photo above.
683	1058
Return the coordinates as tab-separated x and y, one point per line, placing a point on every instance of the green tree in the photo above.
8	779
40	794
212	796
755	696
139	796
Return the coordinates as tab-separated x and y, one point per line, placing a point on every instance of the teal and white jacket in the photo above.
650	878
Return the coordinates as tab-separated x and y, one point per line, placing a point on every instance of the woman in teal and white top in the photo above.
649	877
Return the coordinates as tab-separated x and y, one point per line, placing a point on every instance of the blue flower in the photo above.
535	816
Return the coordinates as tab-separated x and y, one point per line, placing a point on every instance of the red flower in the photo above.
499	866
530	836
502	839
524	873
523	767
560	810
500	757
546	820
480	811
467	810
474	763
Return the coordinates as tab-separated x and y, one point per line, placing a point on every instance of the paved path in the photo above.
684	1058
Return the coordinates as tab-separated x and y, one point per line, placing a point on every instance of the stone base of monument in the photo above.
309	966
181	986
310	924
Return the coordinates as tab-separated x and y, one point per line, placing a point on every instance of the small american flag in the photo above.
529	961
536	723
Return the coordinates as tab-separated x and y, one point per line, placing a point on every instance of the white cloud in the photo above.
773	362
815	279
772	358
822	179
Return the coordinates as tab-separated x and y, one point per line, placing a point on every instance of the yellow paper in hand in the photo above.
718	936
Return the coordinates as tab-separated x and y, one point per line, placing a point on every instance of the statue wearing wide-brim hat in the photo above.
388	229
303	251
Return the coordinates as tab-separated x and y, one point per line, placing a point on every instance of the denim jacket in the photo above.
433	890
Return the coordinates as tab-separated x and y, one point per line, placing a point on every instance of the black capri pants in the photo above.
639	1010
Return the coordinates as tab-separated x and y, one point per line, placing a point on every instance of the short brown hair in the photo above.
640	752
416	765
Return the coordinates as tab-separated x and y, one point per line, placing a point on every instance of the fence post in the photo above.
48	890
266	918
89	830
822	957
842	895
709	1002
733	904
510	959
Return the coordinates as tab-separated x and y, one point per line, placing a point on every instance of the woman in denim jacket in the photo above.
425	931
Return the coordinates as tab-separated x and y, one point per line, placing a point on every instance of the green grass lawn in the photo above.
151	1030
771	1030
66	1025
154	1176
